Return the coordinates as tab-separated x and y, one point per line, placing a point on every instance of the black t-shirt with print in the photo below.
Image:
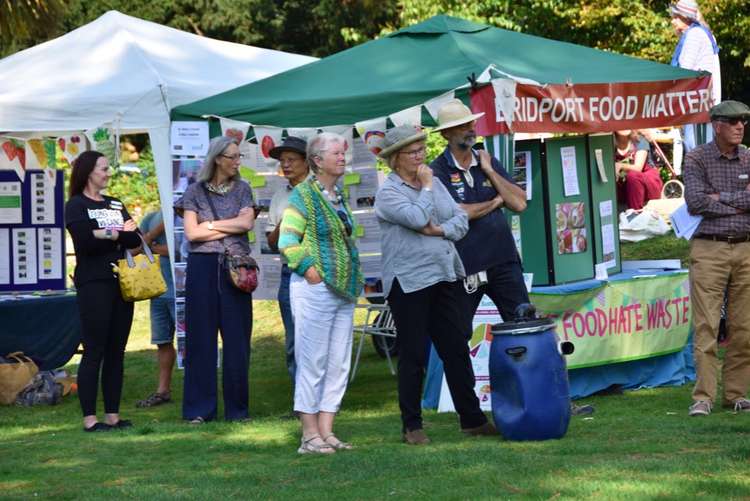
94	255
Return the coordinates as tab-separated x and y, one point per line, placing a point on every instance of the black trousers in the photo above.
434	312
504	286
213	304
105	326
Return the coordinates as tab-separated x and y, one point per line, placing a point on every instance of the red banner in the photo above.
596	107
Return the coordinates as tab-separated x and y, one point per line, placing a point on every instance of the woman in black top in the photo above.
101	229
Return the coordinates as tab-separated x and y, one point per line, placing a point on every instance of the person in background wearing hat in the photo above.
717	187
422	275
696	50
482	187
292	160
316	238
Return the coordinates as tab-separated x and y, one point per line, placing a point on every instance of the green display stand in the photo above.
570	237
529	226
604	201
557	235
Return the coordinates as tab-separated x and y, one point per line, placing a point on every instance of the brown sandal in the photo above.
155	399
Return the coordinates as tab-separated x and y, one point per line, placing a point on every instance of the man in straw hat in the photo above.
291	154
717	187
481	186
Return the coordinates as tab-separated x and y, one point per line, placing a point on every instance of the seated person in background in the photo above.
638	181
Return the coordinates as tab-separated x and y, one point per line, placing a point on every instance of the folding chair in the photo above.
378	322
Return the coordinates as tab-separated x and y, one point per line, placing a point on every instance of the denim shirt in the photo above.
418	260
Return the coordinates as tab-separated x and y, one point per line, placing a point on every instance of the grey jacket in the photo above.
418	260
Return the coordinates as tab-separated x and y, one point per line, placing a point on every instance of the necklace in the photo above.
337	197
221	189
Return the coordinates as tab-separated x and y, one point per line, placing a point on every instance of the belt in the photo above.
730	239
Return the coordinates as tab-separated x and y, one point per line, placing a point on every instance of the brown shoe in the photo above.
416	437
485	429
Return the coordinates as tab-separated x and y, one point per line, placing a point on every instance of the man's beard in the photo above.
467	142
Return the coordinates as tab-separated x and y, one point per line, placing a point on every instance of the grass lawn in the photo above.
640	445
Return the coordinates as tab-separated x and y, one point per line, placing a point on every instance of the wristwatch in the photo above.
210	225
108	233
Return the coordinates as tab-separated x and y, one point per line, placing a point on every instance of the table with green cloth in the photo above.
46	328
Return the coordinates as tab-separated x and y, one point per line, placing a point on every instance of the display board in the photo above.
32	238
603	187
571	187
569	209
530	241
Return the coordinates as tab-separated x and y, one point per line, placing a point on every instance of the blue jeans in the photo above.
285	306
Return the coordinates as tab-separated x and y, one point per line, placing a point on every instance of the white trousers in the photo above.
322	345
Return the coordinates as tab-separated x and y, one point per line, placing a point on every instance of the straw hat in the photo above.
454	113
399	137
685	8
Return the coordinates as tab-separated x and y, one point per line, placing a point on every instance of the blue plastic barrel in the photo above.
529	381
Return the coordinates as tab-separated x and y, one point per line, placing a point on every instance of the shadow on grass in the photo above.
640	445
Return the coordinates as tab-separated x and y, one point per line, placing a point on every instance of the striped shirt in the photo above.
708	171
698	54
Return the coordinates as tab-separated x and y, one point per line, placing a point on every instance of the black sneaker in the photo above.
97	428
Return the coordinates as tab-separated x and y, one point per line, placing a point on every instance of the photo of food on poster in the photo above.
571	228
522	171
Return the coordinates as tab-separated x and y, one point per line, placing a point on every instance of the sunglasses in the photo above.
345	219
731	121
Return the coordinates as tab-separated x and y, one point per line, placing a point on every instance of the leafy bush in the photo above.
139	191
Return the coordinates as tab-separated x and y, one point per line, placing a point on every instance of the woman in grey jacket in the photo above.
422	280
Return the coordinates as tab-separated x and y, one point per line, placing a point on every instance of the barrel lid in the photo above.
524	322
519	327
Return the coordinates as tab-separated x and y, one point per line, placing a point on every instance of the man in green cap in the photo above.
717	187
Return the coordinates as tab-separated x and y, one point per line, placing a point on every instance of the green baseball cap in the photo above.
730	109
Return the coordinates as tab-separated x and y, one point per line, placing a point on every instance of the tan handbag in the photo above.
140	276
15	376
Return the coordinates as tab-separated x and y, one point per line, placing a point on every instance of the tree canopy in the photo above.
322	27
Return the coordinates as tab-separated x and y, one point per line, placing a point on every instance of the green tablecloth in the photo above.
45	328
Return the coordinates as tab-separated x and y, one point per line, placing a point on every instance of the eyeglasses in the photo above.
239	156
731	121
345	219
414	153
